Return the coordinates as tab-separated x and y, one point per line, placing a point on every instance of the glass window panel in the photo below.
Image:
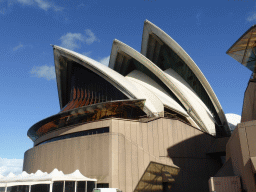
40	188
12	189
23	188
102	185
78	134
90	186
58	186
2	189
80	186
69	186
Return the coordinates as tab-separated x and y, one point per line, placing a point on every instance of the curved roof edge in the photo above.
145	81
52	123
151	28
116	79
118	46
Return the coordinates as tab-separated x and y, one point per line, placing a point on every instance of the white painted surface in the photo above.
145	81
233	120
151	28
112	76
118	46
41	177
193	99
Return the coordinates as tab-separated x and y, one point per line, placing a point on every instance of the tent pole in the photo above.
29	188
51	187
86	186
75	185
64	187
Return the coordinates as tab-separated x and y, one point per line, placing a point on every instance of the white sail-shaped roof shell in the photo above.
150	28
145	81
161	87
204	122
120	82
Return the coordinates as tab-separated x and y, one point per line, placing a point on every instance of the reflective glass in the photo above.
2	189
69	186
129	109
86	87
102	185
80	186
19	188
58	186
78	134
40	188
90	186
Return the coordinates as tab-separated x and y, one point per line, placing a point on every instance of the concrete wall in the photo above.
249	105
89	154
225	184
121	156
240	148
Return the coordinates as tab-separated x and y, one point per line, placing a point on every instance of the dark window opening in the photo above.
135	65
90	186
169	59
58	186
174	115
40	188
20	188
126	109
85	87
78	134
102	185
69	186
80	186
166	187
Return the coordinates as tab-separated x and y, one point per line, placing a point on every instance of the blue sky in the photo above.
28	90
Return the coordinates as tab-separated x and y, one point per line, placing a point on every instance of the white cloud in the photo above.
73	40
91	37
10	165
25	2
87	53
18	47
43	4
47	72
3	10
81	5
252	17
105	60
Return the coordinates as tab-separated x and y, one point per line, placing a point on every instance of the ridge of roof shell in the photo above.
119	46
140	78
133	88
116	79
150	28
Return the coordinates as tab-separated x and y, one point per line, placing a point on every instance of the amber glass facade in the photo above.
129	109
86	87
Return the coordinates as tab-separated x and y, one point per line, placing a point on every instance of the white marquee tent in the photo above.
27	180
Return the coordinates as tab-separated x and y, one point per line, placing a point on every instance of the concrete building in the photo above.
240	165
148	122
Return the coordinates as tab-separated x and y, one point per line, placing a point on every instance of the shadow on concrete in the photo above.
196	166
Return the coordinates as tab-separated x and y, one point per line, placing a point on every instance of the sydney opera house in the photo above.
150	121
